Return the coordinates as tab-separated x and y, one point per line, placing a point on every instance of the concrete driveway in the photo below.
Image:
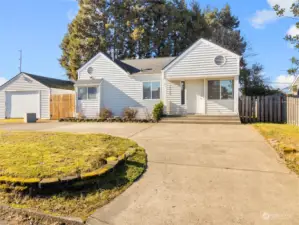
197	174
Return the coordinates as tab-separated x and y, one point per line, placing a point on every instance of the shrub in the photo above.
129	113
158	111
105	113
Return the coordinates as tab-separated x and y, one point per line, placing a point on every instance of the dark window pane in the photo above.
146	90
82	93
92	93
156	90
213	89
183	92
227	89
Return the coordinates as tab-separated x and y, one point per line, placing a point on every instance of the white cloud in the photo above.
2	80
293	31
283	81
263	17
266	16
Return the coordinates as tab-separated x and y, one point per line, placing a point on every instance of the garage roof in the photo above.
52	82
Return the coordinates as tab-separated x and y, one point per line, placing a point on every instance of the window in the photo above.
220	89
92	93
90	70
220	60
87	93
151	90
183	92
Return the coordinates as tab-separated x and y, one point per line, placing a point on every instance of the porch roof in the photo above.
88	82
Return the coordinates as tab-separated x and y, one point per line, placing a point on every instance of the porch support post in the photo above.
236	94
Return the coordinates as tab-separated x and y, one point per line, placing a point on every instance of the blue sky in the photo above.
37	27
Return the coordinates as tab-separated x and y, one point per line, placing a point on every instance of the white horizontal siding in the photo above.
24	83
2	104
173	93
200	62
88	108
55	91
218	107
118	89
91	107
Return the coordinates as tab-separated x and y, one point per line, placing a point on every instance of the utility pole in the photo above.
21	58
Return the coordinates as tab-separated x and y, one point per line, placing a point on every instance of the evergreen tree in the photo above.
143	29
87	35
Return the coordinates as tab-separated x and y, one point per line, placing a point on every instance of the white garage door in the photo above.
20	102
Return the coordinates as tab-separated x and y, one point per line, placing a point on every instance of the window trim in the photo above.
222	79
87	96
151	99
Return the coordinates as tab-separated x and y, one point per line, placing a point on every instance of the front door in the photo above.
195	97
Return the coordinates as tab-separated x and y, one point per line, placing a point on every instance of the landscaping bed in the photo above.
285	139
89	169
108	120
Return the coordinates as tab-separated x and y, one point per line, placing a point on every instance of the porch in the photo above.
217	96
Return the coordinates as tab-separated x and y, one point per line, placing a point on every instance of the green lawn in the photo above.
40	155
285	139
22	154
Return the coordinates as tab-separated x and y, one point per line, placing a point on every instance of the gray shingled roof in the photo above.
144	66
52	82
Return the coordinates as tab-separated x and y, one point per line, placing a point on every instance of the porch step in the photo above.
197	119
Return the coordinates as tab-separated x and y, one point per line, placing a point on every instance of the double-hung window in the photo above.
220	89
87	93
151	90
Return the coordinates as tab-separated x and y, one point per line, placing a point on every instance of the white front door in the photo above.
20	102
195	97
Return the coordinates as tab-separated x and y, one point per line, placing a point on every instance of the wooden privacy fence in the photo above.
62	106
271	109
292	110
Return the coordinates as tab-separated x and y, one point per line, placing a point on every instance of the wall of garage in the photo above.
25	83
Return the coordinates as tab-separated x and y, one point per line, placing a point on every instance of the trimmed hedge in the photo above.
34	186
108	120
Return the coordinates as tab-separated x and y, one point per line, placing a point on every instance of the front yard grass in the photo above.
285	139
44	155
28	154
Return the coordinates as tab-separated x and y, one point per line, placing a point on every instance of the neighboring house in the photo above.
28	93
295	86
204	79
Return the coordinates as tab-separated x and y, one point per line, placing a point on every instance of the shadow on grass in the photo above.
122	175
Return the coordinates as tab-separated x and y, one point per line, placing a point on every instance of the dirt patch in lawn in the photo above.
43	155
285	139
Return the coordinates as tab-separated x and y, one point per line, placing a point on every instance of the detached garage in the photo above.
28	93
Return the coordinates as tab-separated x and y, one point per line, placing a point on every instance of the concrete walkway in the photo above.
198	174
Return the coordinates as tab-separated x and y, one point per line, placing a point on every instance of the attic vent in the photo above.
90	70
220	60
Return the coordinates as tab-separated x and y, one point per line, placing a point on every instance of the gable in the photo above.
101	66
22	82
199	60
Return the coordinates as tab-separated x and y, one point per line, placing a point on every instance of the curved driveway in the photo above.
198	174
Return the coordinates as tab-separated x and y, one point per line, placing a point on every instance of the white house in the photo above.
202	80
28	93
